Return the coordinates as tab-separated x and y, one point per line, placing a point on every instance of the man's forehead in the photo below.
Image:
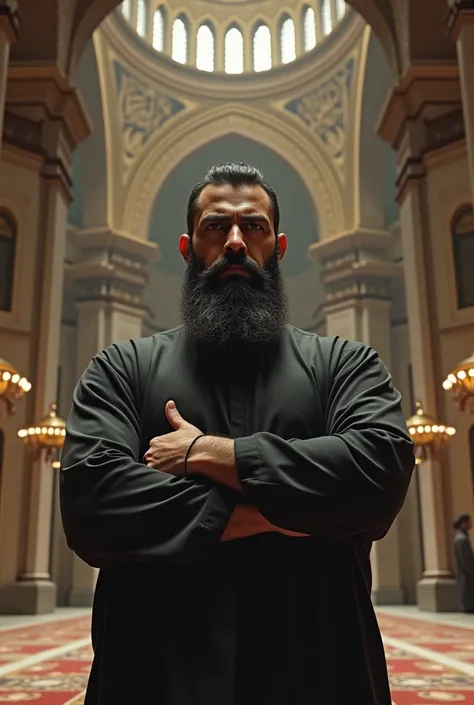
225	197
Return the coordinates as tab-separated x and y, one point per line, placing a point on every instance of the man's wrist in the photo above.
214	457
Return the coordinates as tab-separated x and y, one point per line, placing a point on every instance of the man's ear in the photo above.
282	245
184	246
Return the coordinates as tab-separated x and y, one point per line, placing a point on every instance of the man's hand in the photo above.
167	453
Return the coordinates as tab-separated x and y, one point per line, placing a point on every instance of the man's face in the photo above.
233	220
233	288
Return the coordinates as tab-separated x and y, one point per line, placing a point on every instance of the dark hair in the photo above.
461	520
234	174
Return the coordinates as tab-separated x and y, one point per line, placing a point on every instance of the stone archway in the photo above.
313	166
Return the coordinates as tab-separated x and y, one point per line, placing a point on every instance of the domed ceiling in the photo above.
234	36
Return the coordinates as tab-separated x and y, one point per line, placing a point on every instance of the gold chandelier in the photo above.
461	383
47	435
12	385
427	434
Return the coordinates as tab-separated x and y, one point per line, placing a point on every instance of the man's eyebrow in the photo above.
223	217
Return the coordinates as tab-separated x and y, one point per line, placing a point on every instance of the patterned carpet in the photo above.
48	663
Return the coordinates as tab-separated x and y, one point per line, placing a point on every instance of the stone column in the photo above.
110	275
461	28
423	115
44	115
9	23
357	273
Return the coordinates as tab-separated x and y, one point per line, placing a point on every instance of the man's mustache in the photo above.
229	260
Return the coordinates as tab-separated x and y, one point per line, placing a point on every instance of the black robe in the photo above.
181	618
464	570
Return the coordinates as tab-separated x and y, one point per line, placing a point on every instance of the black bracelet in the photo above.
188	451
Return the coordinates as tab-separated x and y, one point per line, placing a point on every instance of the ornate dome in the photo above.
234	36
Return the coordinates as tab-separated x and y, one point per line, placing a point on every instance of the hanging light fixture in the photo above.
427	434
48	435
461	383
12	385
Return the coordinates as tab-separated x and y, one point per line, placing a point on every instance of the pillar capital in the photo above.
9	20
111	266
45	114
356	265
422	114
460	14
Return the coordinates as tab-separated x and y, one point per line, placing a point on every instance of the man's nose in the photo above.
235	241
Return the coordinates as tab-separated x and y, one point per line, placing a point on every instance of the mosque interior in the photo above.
360	114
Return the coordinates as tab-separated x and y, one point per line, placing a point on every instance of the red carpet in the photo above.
48	664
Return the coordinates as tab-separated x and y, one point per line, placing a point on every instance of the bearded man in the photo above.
228	477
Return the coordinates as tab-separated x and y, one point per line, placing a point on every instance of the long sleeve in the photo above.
348	483
115	509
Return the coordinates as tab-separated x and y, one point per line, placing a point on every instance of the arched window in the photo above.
309	29
341	8
262	48
179	48
141	18
2	446
7	259
326	19
205	48
288	41
127	9
159	29
234	51
471	449
462	233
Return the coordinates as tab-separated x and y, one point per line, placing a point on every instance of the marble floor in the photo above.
430	657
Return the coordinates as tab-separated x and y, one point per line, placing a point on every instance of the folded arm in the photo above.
115	509
350	482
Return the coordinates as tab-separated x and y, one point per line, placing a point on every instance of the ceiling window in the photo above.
341	8
205	49
326	19
179	48
262	48
159	30
309	29
234	51
127	9
288	41
141	18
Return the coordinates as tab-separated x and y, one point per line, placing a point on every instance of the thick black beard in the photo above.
218	311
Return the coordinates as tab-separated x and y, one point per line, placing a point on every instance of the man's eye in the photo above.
254	226
214	226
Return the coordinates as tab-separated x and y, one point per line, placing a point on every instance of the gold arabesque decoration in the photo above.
427	434
47	435
461	383
12	385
